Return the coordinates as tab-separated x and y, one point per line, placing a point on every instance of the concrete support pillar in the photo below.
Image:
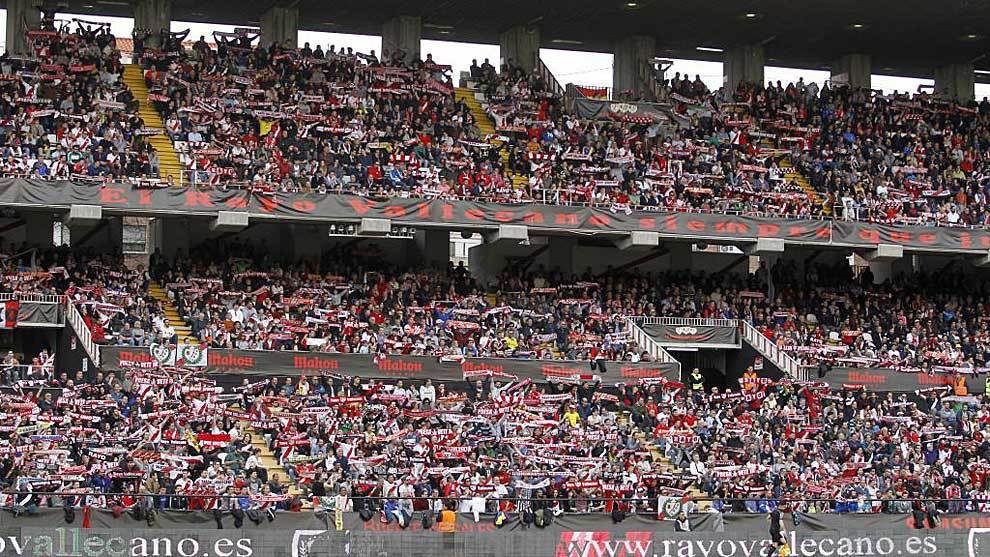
280	25
39	227
633	65
521	45
485	262
22	16
561	254
882	271
681	256
403	33
153	15
853	70
955	81
177	236
743	64
434	247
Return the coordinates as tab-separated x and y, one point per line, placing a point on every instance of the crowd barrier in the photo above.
311	535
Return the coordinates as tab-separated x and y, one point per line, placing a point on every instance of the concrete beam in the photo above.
403	33
633	65
765	246
230	221
853	70
515	233
84	215
374	227
743	64
22	16
280	26
955	82
884	252
639	240
153	15
521	44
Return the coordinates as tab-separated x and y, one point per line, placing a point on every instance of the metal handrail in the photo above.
695	321
656	351
549	78
770	350
602	498
83	332
33	298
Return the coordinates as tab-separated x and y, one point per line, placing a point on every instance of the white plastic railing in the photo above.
657	352
83	332
771	351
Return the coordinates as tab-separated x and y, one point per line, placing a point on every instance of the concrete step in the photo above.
169	159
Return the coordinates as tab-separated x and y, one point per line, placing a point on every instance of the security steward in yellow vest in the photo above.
697	383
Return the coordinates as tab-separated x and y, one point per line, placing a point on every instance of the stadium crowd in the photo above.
867	155
65	112
337	121
237	298
155	438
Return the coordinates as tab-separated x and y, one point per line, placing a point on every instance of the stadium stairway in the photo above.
168	159
271	463
182	329
791	174
663	465
487	128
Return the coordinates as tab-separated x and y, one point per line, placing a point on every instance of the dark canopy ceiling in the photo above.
906	37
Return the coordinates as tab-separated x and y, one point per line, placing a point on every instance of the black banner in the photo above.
399	367
35	313
692	334
942	237
621	110
188	534
126	199
896	381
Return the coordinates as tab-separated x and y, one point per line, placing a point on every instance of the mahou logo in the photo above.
601	544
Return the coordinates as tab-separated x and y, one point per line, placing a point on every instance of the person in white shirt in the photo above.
342	502
698	469
428	393
406	491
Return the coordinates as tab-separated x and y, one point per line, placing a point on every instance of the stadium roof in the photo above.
905	37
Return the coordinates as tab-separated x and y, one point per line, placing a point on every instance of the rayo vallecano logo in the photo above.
623	108
192	355
686	334
979	542
601	544
303	541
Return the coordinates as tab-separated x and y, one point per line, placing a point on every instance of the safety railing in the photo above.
32	298
771	351
688	321
82	331
375	500
657	352
549	79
